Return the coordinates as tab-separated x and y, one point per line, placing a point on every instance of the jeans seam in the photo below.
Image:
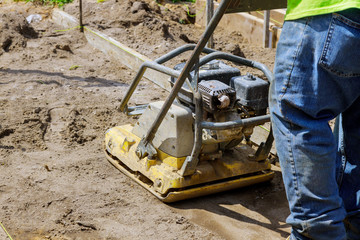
291	68
346	20
327	43
294	172
304	224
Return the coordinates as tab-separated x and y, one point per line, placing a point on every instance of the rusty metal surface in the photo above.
254	5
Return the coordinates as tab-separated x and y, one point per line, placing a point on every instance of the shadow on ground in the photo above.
262	206
90	81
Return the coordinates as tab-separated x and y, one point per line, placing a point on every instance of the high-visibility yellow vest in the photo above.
305	8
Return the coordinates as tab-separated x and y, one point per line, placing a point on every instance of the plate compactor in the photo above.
197	141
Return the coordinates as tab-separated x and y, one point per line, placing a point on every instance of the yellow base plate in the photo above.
161	177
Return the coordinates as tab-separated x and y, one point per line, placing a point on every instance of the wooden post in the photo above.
209	14
80	16
266	28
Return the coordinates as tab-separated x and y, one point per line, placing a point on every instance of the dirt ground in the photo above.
58	96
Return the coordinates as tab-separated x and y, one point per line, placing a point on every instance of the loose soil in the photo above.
58	95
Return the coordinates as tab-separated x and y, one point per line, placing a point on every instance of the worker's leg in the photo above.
309	90
350	179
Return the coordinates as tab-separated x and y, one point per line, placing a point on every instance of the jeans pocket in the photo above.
341	53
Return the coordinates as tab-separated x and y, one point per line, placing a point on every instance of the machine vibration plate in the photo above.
160	176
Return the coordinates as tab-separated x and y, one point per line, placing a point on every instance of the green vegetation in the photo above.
74	67
59	3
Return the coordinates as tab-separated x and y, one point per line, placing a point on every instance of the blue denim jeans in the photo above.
317	78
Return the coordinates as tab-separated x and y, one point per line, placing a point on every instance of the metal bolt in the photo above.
138	153
158	182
